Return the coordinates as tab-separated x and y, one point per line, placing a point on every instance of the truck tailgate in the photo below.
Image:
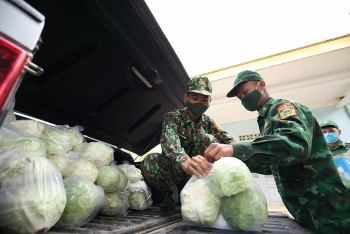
153	220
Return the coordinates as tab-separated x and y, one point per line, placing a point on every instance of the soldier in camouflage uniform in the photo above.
332	133
186	134
293	149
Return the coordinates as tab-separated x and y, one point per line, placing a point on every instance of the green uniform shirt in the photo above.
340	149
179	134
293	149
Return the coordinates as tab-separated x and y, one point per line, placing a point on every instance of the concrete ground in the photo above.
282	209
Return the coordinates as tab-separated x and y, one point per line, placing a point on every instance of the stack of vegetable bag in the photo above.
140	197
227	198
32	195
85	179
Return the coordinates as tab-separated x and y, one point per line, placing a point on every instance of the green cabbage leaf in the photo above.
84	200
32	195
198	203
98	153
108	178
116	204
246	210
229	176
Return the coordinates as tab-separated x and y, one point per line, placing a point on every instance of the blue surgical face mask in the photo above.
331	137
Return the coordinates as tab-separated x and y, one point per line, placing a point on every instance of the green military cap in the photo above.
243	76
329	123
200	85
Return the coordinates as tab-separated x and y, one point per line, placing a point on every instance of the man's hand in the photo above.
197	165
215	151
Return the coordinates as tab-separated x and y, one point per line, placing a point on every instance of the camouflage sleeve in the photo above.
264	170
286	140
221	135
170	141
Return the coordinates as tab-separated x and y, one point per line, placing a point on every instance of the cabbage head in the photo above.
76	136
198	204
134	174
25	143
56	140
108	178
83	168
246	210
140	200
123	180
116	204
98	153
84	200
61	162
31	127
229	176
32	195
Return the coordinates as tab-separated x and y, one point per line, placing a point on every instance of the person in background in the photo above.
293	149
186	134
332	133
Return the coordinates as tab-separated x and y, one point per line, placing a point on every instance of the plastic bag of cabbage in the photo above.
140	195
84	201
98	153
32	195
74	132
23	142
56	140
110	178
116	204
31	127
72	164
227	198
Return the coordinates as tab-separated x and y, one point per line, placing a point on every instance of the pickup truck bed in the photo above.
153	220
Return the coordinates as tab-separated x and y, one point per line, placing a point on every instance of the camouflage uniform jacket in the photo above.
340	149
179	134
293	149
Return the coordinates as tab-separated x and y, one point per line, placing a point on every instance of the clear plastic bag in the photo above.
74	132
108	178
116	204
10	116
140	195
235	202
134	174
84	201
229	176
78	166
65	164
123	181
32	195
246	210
56	140
98	153
23	142
29	126
199	205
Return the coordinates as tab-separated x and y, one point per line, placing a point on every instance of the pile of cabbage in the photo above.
227	198
68	180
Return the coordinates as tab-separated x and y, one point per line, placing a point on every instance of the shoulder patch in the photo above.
286	110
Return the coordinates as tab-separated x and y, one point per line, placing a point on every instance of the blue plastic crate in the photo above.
343	166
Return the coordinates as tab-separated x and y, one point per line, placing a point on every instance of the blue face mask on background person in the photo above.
331	137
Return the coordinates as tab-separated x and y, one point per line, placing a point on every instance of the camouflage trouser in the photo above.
160	171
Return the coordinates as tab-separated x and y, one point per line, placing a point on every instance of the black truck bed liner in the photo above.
153	220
